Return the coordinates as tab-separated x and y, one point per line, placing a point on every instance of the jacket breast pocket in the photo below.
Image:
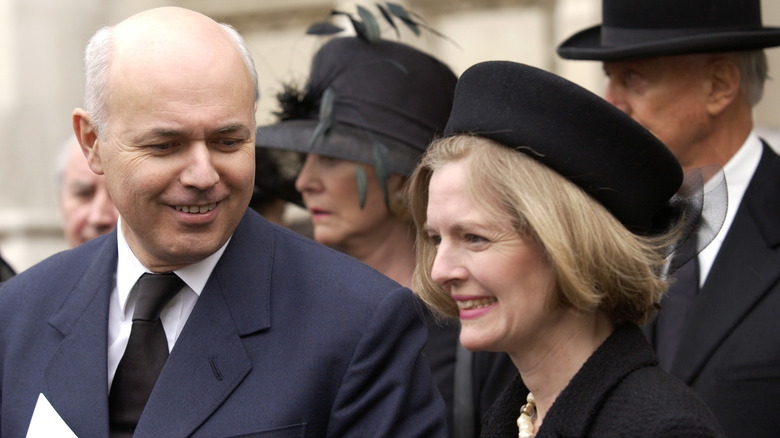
292	431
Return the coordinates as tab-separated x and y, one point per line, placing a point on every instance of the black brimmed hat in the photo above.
573	132
384	93
633	29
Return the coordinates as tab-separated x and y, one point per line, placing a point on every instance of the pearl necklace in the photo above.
525	422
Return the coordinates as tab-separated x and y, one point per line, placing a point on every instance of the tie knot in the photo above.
154	292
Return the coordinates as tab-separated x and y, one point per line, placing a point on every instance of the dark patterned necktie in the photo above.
145	355
675	306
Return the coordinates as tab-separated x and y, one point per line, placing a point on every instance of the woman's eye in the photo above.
476	242
330	161
435	239
473	238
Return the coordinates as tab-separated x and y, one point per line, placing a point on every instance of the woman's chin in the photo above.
476	341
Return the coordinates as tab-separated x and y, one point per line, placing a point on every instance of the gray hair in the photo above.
97	59
754	71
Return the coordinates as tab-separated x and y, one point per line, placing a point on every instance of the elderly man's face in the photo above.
667	95
178	153
87	209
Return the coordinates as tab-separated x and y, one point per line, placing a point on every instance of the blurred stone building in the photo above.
41	80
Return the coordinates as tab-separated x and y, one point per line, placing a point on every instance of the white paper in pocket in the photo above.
46	422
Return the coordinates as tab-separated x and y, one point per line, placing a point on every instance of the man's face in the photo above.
178	154
667	96
87	209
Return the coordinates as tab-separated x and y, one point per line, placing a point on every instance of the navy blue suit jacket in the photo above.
288	339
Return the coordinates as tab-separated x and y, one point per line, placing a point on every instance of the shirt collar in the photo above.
129	269
739	171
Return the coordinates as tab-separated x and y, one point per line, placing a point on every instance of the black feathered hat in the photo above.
573	132
360	95
633	29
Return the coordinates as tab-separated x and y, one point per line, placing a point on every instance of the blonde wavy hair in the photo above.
597	264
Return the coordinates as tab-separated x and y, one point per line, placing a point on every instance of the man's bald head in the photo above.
165	40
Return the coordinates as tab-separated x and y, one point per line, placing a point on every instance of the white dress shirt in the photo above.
120	313
739	171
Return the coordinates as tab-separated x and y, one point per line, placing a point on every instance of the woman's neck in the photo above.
392	254
549	369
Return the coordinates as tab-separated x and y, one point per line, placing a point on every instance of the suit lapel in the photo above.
209	360
747	266
76	377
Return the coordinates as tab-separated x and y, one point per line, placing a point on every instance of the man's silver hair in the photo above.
754	71
97	60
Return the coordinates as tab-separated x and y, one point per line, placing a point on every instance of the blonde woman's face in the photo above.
499	279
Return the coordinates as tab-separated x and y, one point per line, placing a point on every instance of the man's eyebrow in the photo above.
158	133
174	132
235	127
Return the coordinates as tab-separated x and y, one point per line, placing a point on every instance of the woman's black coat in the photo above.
619	392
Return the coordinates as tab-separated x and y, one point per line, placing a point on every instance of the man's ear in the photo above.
724	84
88	139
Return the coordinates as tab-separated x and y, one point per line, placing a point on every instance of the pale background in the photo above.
41	80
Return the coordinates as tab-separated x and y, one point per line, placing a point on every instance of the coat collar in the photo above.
208	361
624	351
244	274
575	409
77	369
248	260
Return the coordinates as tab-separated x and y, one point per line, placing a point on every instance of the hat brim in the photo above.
587	45
342	141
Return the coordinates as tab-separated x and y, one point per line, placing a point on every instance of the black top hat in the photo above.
648	28
575	133
385	92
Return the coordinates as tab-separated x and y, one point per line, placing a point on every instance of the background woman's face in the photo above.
330	192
